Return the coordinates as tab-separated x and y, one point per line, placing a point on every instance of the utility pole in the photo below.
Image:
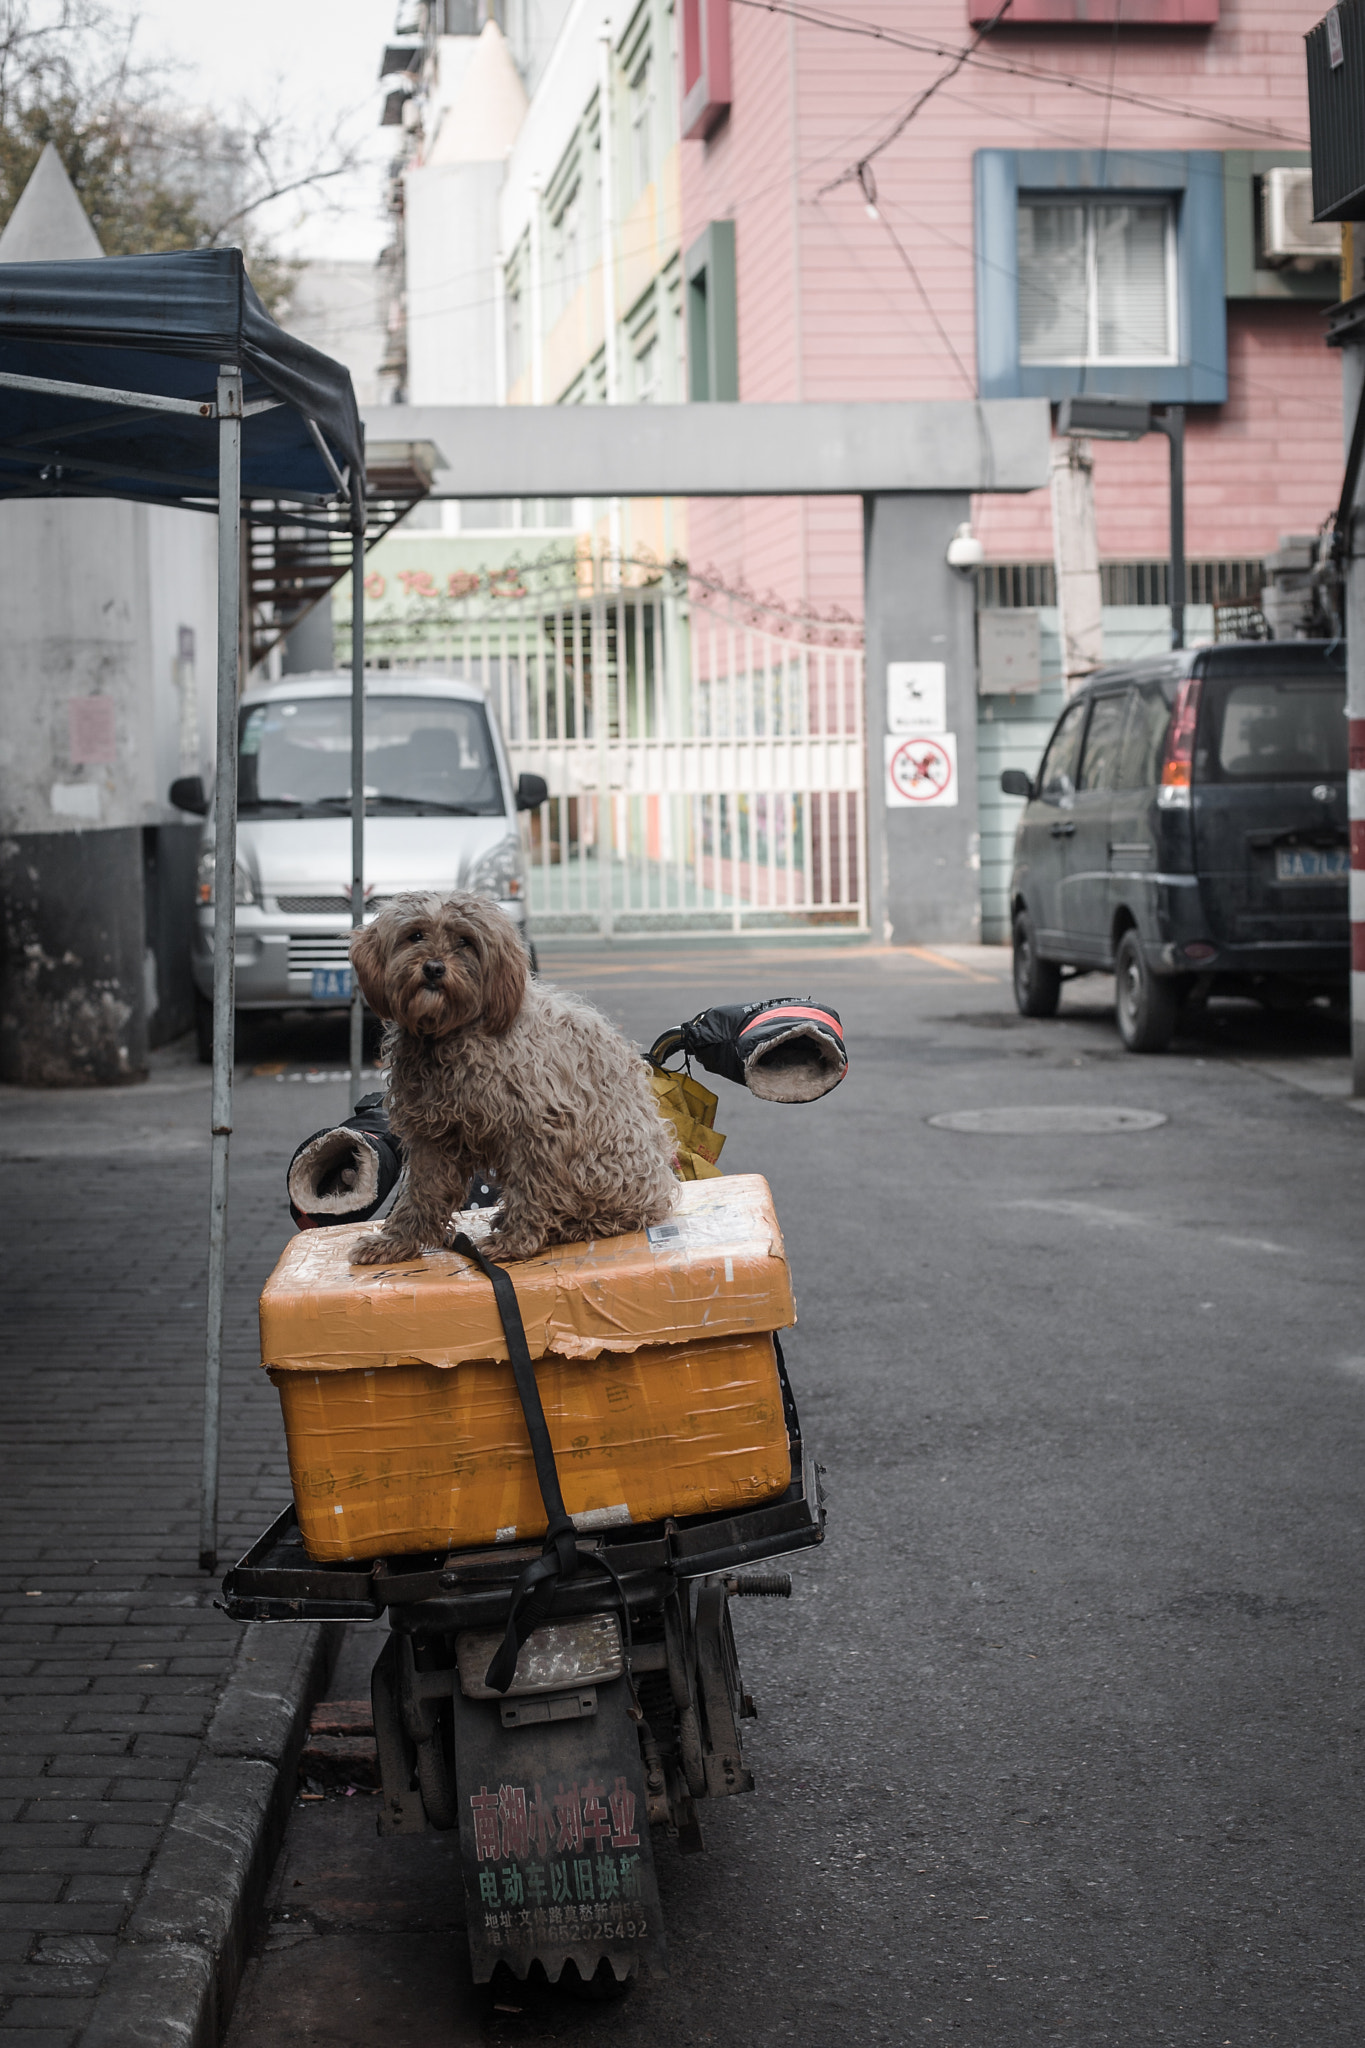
1171	422
606	139
537	296
1076	556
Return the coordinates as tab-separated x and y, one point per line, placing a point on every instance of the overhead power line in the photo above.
859	170
981	60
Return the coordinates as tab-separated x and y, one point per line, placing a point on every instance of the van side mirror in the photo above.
532	792
1014	782
187	793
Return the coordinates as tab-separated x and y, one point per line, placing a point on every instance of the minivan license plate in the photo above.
331	984
1307	864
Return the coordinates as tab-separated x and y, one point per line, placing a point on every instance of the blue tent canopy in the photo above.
130	327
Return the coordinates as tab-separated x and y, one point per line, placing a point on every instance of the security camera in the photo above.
965	551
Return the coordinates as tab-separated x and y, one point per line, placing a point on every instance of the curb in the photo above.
179	1961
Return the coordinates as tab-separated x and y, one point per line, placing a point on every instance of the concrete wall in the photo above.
452	240
107	649
828	307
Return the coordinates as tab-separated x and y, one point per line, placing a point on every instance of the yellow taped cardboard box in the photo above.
655	1363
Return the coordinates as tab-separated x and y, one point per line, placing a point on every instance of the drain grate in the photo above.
1043	1119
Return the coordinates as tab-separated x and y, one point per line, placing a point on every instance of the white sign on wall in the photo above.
1010	647
921	770
916	696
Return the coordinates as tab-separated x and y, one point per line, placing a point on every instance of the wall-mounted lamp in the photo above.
965	552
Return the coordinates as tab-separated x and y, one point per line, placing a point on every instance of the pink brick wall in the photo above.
828	307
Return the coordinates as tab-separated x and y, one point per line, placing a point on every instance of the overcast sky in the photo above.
318	59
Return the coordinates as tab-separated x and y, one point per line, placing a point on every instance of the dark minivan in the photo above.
1188	832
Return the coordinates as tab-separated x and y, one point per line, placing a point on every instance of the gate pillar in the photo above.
924	854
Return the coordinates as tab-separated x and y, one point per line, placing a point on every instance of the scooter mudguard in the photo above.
554	1839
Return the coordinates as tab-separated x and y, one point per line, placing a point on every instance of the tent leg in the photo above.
357	793
224	924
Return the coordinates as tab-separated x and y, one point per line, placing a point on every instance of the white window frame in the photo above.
1090	202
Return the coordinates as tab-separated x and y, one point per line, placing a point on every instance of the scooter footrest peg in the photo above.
760	1585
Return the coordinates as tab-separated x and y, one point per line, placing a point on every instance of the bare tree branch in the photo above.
152	173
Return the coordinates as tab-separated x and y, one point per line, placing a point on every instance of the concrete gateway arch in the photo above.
915	467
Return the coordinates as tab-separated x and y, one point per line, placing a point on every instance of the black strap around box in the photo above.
534	1591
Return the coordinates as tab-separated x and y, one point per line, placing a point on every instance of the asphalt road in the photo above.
1060	1736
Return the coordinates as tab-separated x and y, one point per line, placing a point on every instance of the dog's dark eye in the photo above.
413	939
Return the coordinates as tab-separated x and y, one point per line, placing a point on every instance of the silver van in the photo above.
440	813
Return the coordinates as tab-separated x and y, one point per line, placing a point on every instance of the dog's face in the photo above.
433	965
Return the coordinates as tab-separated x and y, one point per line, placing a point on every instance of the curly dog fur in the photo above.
488	1069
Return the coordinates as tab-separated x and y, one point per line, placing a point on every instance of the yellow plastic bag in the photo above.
691	1109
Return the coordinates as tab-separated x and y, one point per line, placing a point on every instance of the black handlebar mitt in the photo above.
790	1049
342	1175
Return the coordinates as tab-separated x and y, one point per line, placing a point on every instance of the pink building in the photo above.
1086	203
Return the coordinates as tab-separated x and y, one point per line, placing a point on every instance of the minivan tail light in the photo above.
1177	770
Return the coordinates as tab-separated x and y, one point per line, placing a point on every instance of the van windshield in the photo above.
1283	728
422	754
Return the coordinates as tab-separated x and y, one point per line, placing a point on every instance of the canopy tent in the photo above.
163	379
143	334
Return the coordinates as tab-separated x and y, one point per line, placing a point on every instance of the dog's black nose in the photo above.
433	970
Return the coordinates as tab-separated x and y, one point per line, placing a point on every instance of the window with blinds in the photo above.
1096	281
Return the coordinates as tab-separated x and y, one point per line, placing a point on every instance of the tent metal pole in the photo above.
357	792
224	925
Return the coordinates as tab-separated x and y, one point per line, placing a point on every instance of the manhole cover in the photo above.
1066	1119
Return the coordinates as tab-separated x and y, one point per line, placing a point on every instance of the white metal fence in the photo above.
704	755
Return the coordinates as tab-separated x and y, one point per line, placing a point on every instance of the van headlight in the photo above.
498	873
245	891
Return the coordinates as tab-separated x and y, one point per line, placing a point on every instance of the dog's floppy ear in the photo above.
369	961
504	973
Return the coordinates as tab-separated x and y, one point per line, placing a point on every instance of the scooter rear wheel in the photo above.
436	1780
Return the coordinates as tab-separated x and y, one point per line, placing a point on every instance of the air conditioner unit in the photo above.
1289	233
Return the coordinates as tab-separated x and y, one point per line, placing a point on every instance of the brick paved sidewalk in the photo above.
111	1652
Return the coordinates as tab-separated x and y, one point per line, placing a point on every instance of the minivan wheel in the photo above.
1145	1005
1037	983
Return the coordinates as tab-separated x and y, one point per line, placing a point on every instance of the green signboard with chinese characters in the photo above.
554	1841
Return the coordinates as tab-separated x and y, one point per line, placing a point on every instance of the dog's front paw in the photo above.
384	1251
508	1248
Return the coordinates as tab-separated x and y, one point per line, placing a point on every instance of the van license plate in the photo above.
1307	864
331	984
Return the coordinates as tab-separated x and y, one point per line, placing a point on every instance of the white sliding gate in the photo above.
704	755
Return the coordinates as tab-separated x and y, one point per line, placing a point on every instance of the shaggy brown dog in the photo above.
488	1069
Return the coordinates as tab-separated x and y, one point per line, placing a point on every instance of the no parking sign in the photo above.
921	770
